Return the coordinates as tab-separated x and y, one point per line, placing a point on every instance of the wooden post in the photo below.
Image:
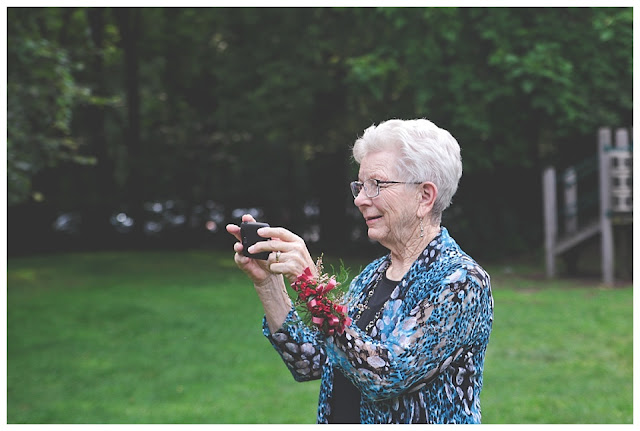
570	200
606	229
621	175
549	203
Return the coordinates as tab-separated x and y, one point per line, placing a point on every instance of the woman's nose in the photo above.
362	198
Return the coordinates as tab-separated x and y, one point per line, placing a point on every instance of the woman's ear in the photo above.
428	192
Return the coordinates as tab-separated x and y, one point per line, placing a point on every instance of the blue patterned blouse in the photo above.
422	362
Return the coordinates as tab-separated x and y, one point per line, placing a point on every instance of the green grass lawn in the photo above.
175	337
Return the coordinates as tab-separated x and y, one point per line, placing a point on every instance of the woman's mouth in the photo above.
371	220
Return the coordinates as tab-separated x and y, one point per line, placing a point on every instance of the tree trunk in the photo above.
129	21
330	179
331	184
103	185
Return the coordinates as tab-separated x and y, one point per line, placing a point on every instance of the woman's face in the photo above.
392	215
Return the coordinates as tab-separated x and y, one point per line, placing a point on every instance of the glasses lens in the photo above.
355	188
371	188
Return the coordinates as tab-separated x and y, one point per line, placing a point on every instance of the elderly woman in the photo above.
421	315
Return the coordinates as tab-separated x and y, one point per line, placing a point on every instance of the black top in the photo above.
345	399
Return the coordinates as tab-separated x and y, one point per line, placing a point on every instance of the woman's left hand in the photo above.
288	253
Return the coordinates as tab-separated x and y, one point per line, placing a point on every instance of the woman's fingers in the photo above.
237	247
234	229
269	246
257	270
288	253
279	233
289	264
281	240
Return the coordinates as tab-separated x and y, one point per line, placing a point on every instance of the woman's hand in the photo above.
288	254
265	276
256	269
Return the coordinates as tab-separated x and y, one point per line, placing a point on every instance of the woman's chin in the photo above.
374	234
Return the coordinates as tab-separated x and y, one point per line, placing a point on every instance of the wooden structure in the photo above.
615	202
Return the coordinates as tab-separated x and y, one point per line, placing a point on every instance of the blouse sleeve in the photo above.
412	350
301	350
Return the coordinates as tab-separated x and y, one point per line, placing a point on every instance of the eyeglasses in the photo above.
371	187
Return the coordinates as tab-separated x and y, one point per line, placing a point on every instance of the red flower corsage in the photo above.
318	302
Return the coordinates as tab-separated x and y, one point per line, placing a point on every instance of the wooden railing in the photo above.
614	197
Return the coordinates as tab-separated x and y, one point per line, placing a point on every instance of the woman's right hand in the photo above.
256	269
269	286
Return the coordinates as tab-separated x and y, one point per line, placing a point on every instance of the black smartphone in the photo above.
249	234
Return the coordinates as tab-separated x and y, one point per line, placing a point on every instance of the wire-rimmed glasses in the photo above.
372	187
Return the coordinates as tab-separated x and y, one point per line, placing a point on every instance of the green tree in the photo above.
518	87
259	106
41	95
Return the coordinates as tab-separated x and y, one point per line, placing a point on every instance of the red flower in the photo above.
326	315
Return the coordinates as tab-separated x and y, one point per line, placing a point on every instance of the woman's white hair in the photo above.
426	153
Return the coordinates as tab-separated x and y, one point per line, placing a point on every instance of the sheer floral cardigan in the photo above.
423	359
